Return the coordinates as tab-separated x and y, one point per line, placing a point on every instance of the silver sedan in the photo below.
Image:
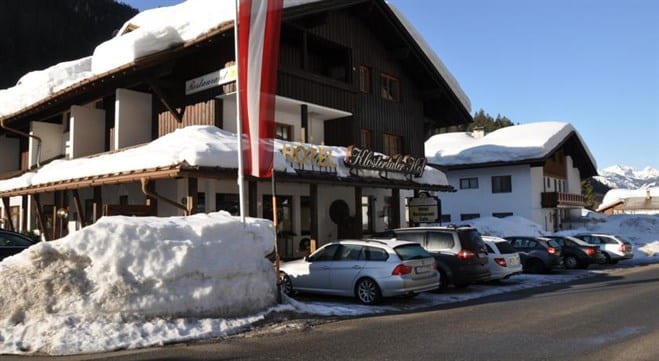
366	269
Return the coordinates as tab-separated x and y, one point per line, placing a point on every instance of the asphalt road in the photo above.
612	317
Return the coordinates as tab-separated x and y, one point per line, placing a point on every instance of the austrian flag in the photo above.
259	23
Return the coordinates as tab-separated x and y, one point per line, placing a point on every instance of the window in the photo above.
376	254
283	131
305	215
350	252
390	87
502	214
468	216
364	79
366	138
227	202
325	254
501	184
284	212
393	144
469	183
440	240
368	214
418	237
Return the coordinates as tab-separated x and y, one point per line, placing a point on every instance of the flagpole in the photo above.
275	223
239	125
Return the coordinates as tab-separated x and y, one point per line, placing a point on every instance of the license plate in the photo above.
423	269
513	261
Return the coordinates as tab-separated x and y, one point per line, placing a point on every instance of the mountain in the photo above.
623	177
41	33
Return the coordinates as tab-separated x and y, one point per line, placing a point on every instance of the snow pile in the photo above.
508	226
514	143
650	249
84	292
201	145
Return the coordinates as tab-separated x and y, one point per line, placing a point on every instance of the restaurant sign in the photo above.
424	209
358	158
211	80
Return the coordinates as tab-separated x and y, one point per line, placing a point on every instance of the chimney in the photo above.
478	133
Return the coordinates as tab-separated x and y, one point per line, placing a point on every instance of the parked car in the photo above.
578	253
614	248
12	243
460	252
504	259
538	255
366	269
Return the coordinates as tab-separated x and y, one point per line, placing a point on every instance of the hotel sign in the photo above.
358	158
211	80
309	158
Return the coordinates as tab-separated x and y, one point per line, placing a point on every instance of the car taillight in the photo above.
434	266
501	262
551	250
465	254
590	251
622	248
401	269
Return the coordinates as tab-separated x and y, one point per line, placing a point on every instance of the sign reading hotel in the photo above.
424	209
358	158
211	80
305	157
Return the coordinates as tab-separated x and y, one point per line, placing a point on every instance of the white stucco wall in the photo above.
87	131
9	154
482	200
52	141
132	120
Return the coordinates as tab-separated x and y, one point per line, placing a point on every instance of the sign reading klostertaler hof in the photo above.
423	209
210	80
357	158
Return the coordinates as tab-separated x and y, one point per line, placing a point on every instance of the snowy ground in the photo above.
128	282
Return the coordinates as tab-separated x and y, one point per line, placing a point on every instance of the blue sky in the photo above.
592	63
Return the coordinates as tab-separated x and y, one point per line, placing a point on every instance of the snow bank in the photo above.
508	226
133	270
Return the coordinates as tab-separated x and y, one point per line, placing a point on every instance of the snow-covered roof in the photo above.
201	146
615	196
150	32
516	143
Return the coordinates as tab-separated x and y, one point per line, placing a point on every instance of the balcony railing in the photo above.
562	200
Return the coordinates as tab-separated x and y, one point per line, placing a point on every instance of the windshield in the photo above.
411	251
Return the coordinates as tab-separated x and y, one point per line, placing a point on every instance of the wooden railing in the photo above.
565	200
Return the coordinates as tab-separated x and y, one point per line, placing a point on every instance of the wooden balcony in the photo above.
562	200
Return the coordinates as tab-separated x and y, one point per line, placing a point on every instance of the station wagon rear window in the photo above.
411	251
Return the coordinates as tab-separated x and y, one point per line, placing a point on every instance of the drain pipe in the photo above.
26	135
155	195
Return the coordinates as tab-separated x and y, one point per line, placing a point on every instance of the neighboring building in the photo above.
630	201
532	170
77	139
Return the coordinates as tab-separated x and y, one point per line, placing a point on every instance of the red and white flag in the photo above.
259	23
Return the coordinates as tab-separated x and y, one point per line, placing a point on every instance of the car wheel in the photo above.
535	266
461	285
286	285
368	292
608	258
571	262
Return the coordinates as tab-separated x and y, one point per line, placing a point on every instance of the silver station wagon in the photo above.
366	269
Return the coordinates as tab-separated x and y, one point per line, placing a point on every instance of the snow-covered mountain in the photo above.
623	177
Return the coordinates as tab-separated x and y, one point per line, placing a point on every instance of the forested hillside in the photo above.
39	33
